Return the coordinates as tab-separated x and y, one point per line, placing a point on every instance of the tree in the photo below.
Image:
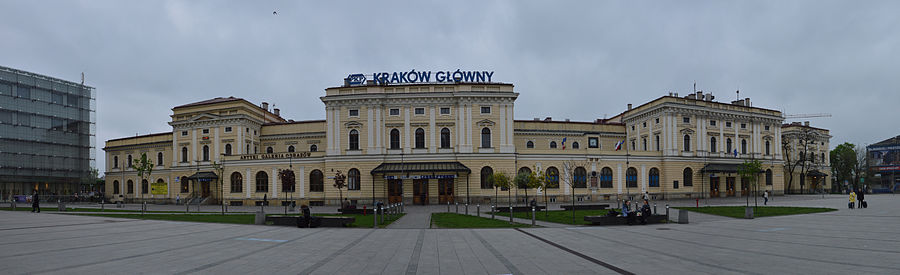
843	158
501	180
339	180
144	168
750	170
542	182
526	181
803	139
569	172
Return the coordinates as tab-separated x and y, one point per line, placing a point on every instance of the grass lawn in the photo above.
760	211
110	209
453	220
558	216
361	221
215	218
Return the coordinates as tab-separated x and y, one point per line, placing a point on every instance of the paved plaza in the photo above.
840	242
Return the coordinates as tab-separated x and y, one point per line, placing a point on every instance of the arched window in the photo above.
743	146
728	146
291	149
205	152
767	148
115	161
248	149
287	180
823	157
553	145
270	150
606	178
354	139
633	147
313	148
129	162
631	177
130	184
712	145
552	177
420	138
316	181
159	158
116	187
353	179
654	177
445	138
395	139
486	181
688	179
185	187
145	187
237	182
644	142
529	144
768	176
687	142
575	145
262	181
580	177
485	138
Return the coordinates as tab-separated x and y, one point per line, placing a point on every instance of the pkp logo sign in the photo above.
356	79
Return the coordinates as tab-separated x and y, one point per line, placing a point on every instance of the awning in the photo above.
453	166
204	176
720	168
816	173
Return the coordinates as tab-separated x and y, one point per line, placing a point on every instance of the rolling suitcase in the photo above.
865	204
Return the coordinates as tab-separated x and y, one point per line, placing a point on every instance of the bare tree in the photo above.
569	167
791	162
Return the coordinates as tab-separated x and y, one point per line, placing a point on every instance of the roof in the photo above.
148	135
816	173
450	166
210	101
720	168
203	176
294	122
887	142
694	99
795	124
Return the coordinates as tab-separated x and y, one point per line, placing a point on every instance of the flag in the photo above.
564	143
735	152
619	145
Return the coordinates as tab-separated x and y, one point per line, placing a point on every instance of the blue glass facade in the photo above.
47	132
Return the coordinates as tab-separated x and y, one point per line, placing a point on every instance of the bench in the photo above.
360	211
586	206
505	209
618	220
317	221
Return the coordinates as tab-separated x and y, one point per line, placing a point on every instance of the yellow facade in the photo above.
432	143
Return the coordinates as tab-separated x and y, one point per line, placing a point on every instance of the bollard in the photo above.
259	218
492	211
101	205
467	208
364	210
13	205
375	218
478	209
401	207
667	213
187	208
654	209
682	216
448	206
457	208
381	210
510	214
532	216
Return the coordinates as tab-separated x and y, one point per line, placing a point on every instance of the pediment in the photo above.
204	117
687	131
353	124
485	122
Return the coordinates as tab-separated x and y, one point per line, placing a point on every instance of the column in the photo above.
469	128
194	145
247	183
379	128
169	186
370	136
406	145
644	177
651	141
431	137
459	127
301	181
510	126
240	140
502	125
337	135
175	149
721	141
737	139
216	143
274	183
619	177
329	130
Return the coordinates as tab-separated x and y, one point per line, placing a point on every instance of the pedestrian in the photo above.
646	196
766	197
626	211
177	199
645	212
36	202
852	199
265	199
861	198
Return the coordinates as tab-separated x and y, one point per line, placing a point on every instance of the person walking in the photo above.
861	198
766	197
646	196
36	202
852	199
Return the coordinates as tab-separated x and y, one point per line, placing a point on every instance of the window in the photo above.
262	181
420	138
313	148
632	127
395	139
129	162
270	150
205	131
633	147
115	161
743	146
552	177
768	176
445	138
645	124
486	181
575	145
767	127
354	139
23	92
553	145
236	182
205	152
657	120
712	144
580	178
654	177
728	145
287	180
644	141
394	112
445	110
529	144
485	138
485	109
116	187
688	177
727	124
145	187
316	181
6	117
593	142
130	184
767	147
743	125
687	142
712	123
631	177
419	111
354	112
657	144
159	158
184	185
686	119
228	129
227	149
291	149
72	100
606	175
353	179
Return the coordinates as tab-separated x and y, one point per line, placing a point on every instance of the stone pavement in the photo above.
841	242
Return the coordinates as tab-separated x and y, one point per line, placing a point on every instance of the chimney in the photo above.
277	112
567	120
629	106
699	95
691	96
676	94
709	97
747	102
537	119
548	119
265	106
806	123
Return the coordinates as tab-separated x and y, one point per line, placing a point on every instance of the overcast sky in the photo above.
581	60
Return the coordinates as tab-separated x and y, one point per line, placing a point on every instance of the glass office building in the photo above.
47	128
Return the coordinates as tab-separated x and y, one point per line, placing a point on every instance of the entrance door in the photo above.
420	191
729	186
204	189
445	189
395	191
714	187
745	187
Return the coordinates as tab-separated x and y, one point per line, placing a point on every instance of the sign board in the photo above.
159	188
418	177
414	76
295	155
